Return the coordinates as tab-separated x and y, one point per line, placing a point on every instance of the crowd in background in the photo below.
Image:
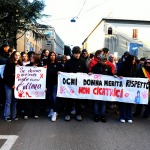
80	61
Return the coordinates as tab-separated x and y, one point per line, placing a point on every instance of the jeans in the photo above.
73	102
125	111
10	104
100	107
51	94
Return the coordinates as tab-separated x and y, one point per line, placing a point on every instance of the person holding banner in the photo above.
32	105
101	68
51	84
128	69
144	72
9	80
25	59
74	65
4	56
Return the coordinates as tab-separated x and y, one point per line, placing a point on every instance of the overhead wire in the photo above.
97	5
81	9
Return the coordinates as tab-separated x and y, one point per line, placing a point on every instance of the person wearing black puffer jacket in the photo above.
74	65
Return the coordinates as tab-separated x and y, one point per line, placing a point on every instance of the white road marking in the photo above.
10	140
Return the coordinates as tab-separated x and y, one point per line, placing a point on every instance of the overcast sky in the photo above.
88	14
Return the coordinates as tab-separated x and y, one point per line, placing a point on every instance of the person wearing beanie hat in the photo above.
84	54
126	53
83	51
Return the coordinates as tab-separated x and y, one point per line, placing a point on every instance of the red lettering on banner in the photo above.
84	90
108	92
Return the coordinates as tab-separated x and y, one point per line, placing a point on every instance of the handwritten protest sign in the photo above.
30	82
2	70
102	87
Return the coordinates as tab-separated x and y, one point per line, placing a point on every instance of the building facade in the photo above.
50	41
53	42
28	43
120	35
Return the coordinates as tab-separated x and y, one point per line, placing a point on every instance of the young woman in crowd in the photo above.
25	59
32	106
9	79
128	69
51	82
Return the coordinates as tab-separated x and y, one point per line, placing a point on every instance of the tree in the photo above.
19	16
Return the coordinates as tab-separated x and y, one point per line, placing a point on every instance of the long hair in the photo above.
37	58
49	60
12	58
129	59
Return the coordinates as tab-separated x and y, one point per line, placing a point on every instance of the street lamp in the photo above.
73	20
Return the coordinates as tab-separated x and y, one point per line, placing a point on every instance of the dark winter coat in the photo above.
128	70
74	65
9	74
102	69
3	57
52	74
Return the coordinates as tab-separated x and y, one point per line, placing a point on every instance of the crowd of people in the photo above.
80	61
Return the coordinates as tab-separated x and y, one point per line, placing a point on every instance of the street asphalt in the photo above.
42	134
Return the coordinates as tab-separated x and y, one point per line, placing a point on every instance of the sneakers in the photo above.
36	117
122	121
79	118
54	117
16	118
50	113
67	118
73	112
103	119
130	121
96	118
7	119
26	117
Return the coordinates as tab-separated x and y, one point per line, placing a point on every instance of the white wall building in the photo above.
118	35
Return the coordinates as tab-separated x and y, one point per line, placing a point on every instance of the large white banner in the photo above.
30	82
102	87
2	70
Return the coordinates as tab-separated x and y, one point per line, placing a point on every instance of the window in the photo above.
109	30
135	34
48	43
